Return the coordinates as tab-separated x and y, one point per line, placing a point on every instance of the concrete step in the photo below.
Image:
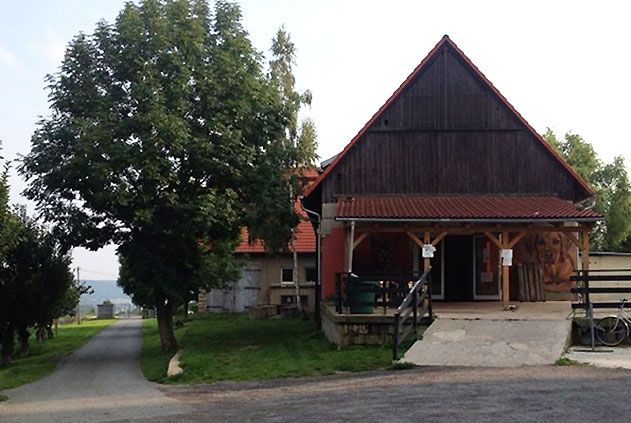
491	343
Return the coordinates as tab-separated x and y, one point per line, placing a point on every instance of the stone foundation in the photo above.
356	329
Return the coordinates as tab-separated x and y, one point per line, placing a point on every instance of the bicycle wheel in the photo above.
611	331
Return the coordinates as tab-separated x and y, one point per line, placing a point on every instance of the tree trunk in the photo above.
23	335
164	313
6	339
49	330
185	307
295	271
40	333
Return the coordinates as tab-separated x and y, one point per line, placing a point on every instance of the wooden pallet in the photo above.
530	278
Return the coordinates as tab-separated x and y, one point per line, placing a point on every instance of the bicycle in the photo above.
612	330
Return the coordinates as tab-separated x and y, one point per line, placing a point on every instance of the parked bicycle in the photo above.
613	330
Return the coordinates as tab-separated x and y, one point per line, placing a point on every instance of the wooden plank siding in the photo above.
448	133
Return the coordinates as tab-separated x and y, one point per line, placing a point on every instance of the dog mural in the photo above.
556	254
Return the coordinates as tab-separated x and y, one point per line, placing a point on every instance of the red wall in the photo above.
333	250
334	254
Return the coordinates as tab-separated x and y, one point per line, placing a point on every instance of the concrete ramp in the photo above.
491	343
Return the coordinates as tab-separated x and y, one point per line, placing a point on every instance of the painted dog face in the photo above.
549	246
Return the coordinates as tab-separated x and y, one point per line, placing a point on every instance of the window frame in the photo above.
282	281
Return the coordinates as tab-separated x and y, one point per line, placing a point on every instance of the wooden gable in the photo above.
447	131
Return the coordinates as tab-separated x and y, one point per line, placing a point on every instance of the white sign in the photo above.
428	251
507	257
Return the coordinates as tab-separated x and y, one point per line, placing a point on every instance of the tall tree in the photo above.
298	149
36	284
164	139
8	222
613	191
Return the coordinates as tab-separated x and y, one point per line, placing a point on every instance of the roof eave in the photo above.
468	220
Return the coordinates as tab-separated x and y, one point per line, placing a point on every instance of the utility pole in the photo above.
78	313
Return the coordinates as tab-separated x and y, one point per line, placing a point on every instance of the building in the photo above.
448	163
267	281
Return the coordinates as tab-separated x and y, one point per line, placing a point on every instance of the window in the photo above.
287	276
291	299
310	274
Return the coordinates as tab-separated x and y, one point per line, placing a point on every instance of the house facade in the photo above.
267	280
448	174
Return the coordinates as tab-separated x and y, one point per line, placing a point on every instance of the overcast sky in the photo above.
565	65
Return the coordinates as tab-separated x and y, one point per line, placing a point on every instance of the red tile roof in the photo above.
305	240
446	40
463	208
305	236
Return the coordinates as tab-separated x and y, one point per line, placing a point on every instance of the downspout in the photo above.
350	248
318	287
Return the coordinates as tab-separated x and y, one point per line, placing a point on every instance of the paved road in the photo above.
529	394
100	382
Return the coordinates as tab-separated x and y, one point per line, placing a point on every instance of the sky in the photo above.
562	64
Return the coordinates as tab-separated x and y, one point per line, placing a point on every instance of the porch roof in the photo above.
463	208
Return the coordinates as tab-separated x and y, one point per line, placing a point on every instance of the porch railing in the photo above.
414	306
388	290
585	287
585	280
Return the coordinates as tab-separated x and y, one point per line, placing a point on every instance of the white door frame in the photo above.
499	282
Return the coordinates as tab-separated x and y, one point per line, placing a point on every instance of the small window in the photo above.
310	274
291	299
287	276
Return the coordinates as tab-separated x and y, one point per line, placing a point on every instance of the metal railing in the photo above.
413	305
389	290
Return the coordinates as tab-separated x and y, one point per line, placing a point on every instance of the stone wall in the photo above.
348	329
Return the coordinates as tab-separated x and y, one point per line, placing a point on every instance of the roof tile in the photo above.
484	207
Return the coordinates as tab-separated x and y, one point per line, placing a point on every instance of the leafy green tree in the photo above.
36	282
8	237
164	138
297	151
7	219
613	191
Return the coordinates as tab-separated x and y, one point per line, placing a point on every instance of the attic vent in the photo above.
385	122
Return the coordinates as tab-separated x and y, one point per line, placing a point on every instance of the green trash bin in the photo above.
357	293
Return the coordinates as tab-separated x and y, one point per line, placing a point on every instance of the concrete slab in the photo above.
615	358
493	310
491	343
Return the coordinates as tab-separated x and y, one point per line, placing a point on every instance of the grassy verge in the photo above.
43	357
564	361
232	347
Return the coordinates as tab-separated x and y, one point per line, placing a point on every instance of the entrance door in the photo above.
486	283
458	254
247	290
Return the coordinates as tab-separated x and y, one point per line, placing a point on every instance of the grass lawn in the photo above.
232	347
43	357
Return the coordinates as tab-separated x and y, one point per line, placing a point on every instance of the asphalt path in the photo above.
99	382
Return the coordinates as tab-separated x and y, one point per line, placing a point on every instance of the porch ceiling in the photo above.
465	208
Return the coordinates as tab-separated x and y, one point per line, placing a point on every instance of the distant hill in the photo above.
104	290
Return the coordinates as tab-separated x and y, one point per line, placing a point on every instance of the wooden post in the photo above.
585	252
505	273
426	261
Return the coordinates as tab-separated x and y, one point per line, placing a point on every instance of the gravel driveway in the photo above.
99	382
528	394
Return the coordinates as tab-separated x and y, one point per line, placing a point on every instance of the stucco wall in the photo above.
269	277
